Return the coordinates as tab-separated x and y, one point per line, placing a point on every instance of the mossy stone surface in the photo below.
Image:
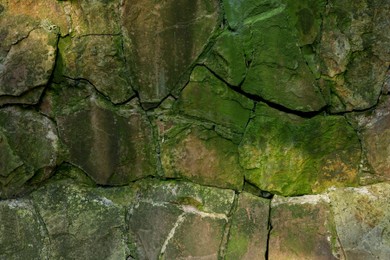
249	231
79	223
113	145
27	64
207	98
100	60
22	232
202	156
290	155
30	144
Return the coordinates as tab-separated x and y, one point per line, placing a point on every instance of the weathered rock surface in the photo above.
290	155
112	145
165	40
362	221
248	235
177	220
22	232
303	228
276	69
375	128
29	146
201	155
186	106
79	223
207	98
98	59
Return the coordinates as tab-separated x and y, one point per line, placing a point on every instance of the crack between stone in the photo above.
271	104
266	256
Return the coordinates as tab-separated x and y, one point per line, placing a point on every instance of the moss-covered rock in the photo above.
98	59
171	219
113	145
289	155
362	220
29	146
165	38
93	17
79	223
23	235
207	98
200	155
248	235
303	228
27	64
267	40
375	132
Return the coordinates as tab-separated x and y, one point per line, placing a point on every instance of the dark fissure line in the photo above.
269	231
271	104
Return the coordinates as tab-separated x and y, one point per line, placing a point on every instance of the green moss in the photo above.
290	155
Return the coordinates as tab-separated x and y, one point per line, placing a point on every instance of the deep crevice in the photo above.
269	231
256	98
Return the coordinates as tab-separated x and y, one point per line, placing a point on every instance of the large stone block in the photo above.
290	155
29	146
165	39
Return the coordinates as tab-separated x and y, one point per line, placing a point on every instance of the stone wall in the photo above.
194	129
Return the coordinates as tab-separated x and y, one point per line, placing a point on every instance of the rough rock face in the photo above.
165	39
194	129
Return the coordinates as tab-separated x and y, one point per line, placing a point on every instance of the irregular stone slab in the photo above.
165	38
28	64
362	220
276	67
303	228
364	71
286	154
228	58
200	155
375	127
22	233
46	12
112	148
80	224
166	219
207	98
93	16
354	52
249	231
100	60
29	146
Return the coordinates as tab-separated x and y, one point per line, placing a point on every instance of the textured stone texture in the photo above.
248	235
289	155
22	232
207	98
165	39
375	127
186	106
174	220
303	228
80	224
362	221
30	146
98	59
200	155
